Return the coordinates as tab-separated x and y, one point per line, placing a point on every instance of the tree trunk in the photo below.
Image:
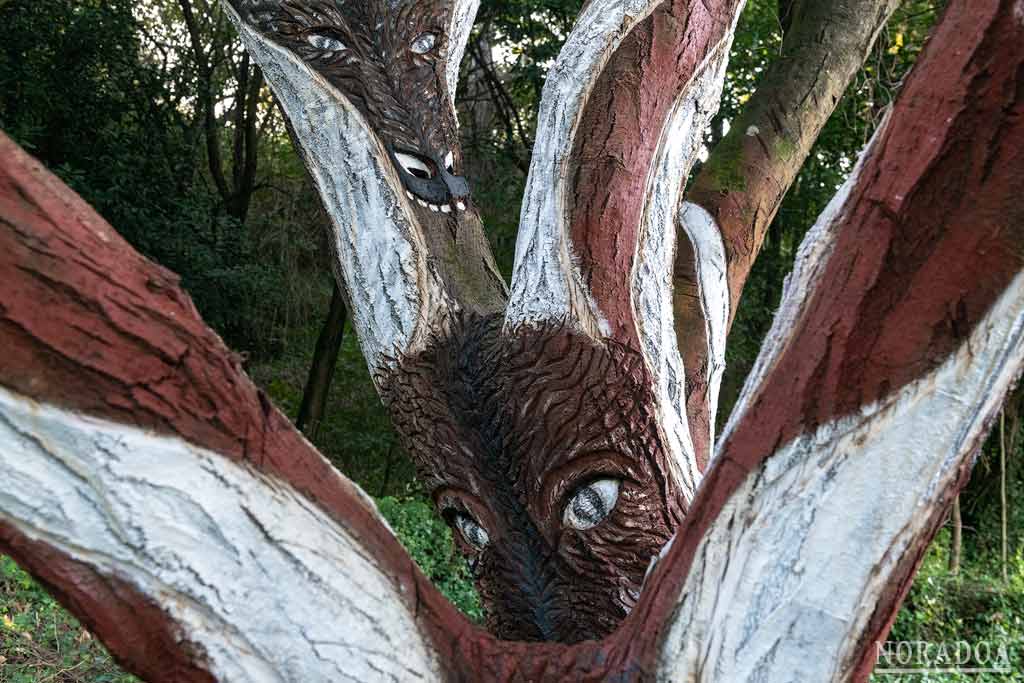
321	371
956	542
743	182
162	498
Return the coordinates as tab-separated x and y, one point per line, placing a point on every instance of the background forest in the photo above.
153	113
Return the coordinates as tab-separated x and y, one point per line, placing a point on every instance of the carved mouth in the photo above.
431	183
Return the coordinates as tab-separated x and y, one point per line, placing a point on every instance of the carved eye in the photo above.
325	42
423	43
474	534
414	166
591	504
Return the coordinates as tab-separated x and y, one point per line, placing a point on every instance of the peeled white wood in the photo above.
546	284
709	256
269	586
460	25
379	251
651	279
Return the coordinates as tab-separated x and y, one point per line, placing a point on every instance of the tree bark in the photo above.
164	500
956	542
749	171
321	371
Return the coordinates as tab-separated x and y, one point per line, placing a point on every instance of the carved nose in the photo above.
457	186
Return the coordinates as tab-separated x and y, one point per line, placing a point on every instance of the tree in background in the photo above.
755	470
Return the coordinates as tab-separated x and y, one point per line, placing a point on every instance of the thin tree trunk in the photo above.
743	182
1002	488
321	372
957	543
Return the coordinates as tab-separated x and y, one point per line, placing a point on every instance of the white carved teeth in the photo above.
445	208
461	206
421	202
435	208
411	195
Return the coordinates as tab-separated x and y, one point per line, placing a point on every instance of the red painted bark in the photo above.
620	130
134	629
929	237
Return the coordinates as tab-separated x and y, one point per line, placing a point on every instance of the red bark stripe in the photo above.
138	633
620	129
930	237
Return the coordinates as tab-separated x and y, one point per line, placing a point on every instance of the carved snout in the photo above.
432	180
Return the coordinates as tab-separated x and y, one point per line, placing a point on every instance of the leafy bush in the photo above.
429	541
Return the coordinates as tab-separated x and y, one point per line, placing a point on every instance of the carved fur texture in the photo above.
505	430
389	59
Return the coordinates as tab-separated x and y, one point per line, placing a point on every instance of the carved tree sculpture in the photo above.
562	430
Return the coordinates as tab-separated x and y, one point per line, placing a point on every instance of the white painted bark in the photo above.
267	585
651	280
460	25
380	255
811	259
546	284
709	255
811	540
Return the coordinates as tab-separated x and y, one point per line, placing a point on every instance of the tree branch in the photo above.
748	173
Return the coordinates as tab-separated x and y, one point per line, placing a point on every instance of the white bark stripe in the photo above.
651	279
709	256
460	24
812	539
269	586
546	284
811	261
378	248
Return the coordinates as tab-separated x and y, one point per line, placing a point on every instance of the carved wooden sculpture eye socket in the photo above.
474	534
424	43
415	166
591	504
326	39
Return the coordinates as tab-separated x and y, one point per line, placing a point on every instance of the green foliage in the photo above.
973	607
429	541
39	641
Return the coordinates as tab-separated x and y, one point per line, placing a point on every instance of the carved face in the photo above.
541	452
388	59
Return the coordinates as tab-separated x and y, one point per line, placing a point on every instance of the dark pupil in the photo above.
588	506
419	173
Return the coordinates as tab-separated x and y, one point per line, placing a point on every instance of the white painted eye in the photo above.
449	162
424	43
474	534
413	165
591	504
326	43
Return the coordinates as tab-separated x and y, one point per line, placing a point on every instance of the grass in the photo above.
41	643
